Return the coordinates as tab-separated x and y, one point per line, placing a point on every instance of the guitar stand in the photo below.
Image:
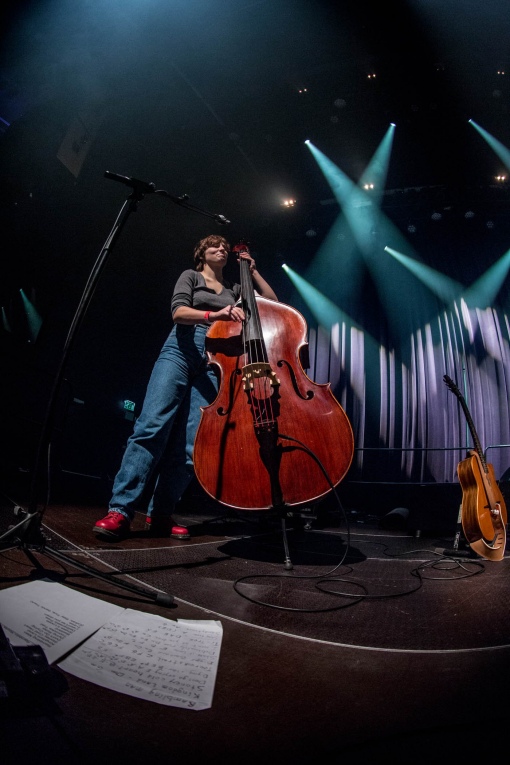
459	548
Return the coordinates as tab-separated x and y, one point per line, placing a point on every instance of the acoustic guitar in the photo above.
483	509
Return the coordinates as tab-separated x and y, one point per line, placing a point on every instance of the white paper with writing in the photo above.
52	616
150	657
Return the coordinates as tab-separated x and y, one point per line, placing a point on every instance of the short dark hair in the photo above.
213	240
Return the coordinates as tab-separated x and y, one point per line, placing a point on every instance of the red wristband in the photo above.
206	315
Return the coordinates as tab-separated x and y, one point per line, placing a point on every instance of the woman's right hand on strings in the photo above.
228	313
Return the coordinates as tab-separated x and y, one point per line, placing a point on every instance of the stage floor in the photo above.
374	641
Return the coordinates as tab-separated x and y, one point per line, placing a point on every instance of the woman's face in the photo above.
216	254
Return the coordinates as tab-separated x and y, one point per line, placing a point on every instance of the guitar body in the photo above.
483	509
484	514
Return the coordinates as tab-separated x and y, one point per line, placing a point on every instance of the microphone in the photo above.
143	187
134	183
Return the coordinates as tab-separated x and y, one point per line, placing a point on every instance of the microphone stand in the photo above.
27	534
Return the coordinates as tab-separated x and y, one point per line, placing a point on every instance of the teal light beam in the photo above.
5	321
361	208
33	318
502	152
483	292
440	285
377	169
324	310
356	204
406	300
328	315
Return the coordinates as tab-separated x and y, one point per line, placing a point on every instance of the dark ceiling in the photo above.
214	99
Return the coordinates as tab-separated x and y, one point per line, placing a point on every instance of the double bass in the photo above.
273	438
483	509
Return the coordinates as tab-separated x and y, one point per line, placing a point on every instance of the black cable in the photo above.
324	578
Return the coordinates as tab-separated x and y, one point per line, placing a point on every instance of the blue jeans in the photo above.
157	465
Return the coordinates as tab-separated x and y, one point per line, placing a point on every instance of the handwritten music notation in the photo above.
167	661
150	657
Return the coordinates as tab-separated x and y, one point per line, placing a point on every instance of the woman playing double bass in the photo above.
157	465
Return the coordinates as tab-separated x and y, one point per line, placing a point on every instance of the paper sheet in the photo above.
50	615
150	657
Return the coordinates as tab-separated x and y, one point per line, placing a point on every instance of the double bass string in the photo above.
260	393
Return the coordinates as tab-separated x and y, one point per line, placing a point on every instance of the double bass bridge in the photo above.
259	370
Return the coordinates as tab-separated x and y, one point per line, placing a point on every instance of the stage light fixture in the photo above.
490	224
368	186
469	214
411	228
289	203
436	216
500	178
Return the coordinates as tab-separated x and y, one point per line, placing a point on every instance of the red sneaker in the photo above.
165	526
180	532
114	525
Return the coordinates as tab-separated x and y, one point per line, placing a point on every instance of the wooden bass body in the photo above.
273	437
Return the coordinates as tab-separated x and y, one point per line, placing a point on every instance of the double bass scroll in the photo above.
272	438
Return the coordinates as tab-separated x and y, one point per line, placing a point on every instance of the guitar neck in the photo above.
474	435
469	419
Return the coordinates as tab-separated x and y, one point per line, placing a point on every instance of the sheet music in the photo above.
150	657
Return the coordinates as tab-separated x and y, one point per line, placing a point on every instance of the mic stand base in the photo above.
31	539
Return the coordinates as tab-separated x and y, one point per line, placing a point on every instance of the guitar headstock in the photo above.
453	387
